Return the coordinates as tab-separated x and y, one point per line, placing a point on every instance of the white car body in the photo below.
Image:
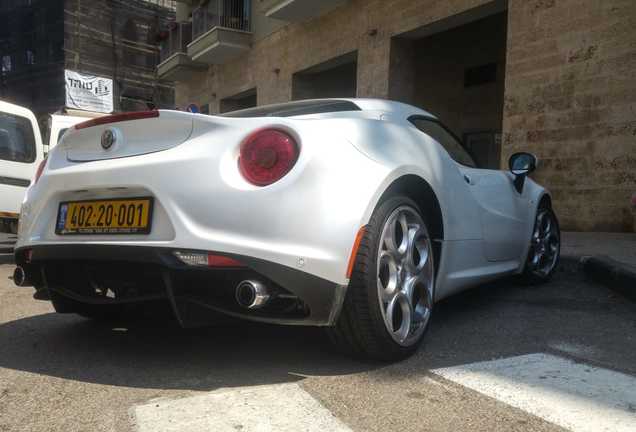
58	124
20	154
305	223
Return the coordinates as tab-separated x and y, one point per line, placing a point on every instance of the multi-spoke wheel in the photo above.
390	296
545	247
405	275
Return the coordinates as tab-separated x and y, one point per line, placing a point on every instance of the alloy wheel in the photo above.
405	275
545	244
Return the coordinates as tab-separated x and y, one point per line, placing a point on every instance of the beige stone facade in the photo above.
569	92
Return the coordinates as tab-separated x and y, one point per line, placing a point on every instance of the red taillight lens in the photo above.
115	118
266	156
223	261
40	170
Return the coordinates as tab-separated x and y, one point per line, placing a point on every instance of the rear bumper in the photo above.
133	274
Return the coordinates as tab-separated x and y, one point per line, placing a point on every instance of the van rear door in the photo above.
20	153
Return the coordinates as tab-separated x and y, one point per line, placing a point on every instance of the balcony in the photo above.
175	65
220	31
299	10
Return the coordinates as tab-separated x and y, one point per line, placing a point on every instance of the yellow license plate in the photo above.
110	216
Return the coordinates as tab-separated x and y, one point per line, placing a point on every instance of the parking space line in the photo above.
572	395
280	407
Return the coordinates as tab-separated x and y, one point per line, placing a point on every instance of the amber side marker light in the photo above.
116	118
354	251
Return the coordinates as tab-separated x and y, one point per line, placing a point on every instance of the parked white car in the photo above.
353	214
20	154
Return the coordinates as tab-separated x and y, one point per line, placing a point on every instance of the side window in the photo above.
17	142
439	133
59	135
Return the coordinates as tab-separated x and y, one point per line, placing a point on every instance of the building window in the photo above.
7	65
30	57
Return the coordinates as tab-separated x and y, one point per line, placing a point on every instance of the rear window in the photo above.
299	108
17	142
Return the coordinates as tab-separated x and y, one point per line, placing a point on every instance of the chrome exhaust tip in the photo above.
20	277
252	294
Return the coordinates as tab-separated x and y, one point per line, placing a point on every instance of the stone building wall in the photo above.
571	99
111	38
570	92
118	39
32	55
363	25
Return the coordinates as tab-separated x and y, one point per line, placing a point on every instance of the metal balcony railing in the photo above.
231	14
169	4
179	36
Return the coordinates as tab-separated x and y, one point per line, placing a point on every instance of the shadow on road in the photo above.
159	354
498	320
567	317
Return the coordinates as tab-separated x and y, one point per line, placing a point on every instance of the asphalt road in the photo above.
66	373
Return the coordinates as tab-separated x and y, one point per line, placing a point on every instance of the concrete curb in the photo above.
615	275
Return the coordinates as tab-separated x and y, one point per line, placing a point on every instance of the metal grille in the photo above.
232	14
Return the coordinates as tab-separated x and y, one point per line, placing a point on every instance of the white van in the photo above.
21	152
57	124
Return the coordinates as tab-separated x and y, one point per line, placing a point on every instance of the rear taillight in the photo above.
267	155
202	259
40	170
115	118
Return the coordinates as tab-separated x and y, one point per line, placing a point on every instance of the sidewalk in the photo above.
618	246
608	258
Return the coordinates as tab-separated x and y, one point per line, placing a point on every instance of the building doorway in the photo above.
455	69
244	100
332	79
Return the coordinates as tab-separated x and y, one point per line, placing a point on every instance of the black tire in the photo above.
531	274
66	305
360	330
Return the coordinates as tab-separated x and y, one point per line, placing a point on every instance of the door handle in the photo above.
467	179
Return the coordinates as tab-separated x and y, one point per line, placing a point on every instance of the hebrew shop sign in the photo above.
88	92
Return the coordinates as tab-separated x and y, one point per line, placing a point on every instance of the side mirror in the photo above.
522	164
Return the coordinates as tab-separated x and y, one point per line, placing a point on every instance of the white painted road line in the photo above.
573	395
281	407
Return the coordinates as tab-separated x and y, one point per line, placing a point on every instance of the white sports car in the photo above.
353	214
